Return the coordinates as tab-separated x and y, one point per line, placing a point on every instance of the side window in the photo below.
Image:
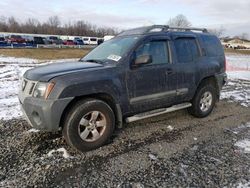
157	49
194	48
186	50
213	46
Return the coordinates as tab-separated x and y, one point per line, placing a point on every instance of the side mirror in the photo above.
143	59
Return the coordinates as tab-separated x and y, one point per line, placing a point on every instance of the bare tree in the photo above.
13	25
54	27
54	21
219	32
244	36
179	21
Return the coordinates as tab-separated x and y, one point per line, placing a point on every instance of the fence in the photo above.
27	45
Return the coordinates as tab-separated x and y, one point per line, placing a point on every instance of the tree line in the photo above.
54	26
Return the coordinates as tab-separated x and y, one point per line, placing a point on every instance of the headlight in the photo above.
42	90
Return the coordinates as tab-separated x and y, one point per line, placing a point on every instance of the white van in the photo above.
90	40
85	40
108	37
93	41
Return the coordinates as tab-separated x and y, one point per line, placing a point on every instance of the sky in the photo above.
232	15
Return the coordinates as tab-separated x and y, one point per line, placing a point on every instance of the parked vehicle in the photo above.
108	37
15	39
29	40
93	41
54	40
86	40
46	41
39	40
100	41
78	41
68	42
141	73
2	40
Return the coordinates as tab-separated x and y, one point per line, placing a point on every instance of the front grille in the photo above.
28	87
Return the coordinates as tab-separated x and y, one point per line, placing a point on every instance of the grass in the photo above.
232	51
68	53
43	54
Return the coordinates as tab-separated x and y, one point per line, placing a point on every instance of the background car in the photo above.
93	41
68	42
78	41
85	40
28	40
38	40
2	40
54	40
100	41
15	39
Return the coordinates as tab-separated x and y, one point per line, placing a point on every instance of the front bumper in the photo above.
43	114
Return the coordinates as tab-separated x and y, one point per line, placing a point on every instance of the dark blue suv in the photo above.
140	73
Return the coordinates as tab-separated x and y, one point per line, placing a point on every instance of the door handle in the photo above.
169	71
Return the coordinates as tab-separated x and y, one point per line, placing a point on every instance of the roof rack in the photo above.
167	28
204	30
160	28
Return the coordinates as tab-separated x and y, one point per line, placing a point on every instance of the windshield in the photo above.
112	49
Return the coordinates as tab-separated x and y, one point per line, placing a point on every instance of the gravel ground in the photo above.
173	150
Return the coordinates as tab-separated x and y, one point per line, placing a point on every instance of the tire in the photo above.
204	101
88	125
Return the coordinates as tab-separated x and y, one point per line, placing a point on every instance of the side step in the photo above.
157	112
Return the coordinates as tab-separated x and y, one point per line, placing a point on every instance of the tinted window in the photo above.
212	46
157	49
186	49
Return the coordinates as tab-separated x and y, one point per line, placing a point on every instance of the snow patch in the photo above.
244	145
33	130
61	150
152	157
11	71
243	185
170	128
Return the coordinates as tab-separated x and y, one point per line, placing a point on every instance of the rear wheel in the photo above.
89	125
204	101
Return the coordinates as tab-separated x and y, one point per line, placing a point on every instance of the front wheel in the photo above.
204	101
89	125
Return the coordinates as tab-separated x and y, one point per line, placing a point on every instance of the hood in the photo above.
46	72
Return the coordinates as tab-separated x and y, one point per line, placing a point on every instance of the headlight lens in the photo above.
42	90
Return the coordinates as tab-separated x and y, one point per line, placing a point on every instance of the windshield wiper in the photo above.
94	61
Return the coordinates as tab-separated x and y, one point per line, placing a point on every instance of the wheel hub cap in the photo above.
206	101
92	126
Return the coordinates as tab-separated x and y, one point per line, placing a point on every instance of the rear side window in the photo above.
212	46
157	49
186	49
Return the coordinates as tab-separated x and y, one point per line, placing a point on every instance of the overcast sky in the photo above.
233	15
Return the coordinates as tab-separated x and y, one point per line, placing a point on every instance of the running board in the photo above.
157	112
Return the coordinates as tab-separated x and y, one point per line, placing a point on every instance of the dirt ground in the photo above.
172	150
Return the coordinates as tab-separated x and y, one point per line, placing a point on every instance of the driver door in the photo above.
150	86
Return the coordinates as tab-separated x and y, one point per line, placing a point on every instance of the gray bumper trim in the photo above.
44	114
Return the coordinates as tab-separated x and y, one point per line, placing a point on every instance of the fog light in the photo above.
36	118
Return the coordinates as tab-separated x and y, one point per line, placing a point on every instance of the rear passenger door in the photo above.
187	53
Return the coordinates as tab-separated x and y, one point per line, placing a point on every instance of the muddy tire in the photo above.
204	101
88	125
